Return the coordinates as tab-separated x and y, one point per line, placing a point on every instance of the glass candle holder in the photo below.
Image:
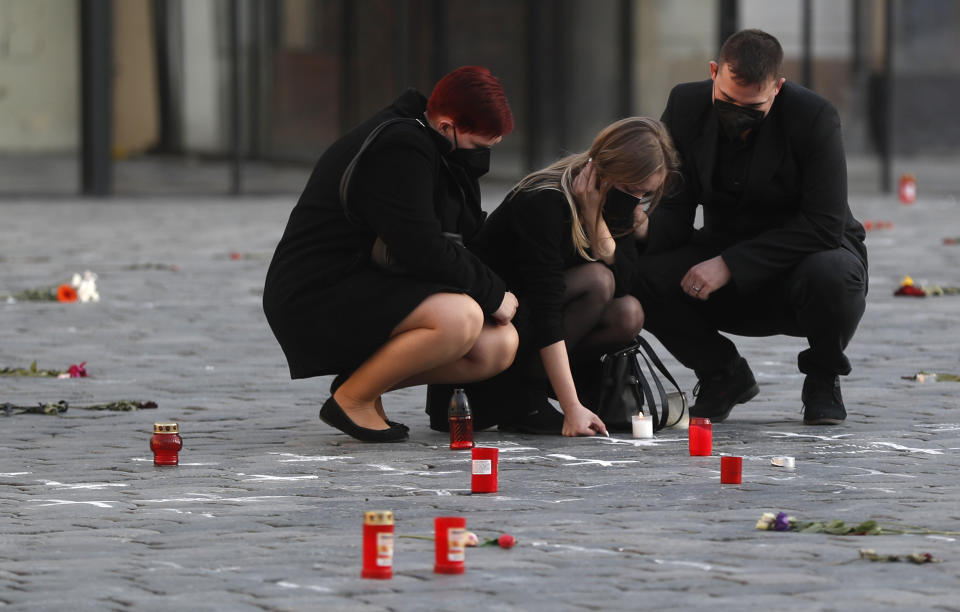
166	444
450	538
642	427
700	436
378	544
461	421
483	469
731	470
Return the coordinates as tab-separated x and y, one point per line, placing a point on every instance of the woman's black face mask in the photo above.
475	162
736	119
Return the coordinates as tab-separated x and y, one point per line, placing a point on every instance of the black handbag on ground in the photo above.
625	389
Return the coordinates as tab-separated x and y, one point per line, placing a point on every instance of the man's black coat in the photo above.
795	199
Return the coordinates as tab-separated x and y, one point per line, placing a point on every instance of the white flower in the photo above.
86	286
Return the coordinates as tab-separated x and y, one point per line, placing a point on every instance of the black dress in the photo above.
329	307
527	241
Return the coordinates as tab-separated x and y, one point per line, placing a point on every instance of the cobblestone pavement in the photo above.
265	510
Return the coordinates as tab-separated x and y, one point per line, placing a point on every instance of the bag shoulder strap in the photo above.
351	167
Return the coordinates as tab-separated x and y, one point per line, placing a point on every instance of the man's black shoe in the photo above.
718	394
822	401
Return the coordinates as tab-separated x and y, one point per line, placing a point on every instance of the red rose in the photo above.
506	541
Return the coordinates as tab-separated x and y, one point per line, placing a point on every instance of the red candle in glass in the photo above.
731	469
378	544
166	443
483	469
461	421
700	436
450	535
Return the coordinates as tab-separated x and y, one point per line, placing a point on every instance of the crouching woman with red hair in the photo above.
371	280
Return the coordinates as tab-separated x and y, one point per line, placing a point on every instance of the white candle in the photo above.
642	427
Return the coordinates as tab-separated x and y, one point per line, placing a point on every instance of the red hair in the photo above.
474	99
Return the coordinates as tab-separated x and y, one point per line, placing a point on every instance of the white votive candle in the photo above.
642	427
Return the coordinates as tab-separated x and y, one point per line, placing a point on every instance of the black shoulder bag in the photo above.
625	389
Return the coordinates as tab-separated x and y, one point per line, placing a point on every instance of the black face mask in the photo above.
618	210
475	162
736	120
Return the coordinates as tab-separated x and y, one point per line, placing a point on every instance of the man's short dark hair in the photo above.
752	56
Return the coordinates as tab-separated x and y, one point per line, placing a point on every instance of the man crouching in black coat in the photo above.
779	251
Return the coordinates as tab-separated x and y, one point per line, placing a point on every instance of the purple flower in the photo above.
782	522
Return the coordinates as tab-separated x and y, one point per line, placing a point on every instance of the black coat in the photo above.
527	241
795	199
328	305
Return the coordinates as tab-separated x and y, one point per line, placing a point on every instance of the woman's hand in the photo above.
641	223
507	310
578	420
587	194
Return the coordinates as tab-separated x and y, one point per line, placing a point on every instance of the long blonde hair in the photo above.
627	152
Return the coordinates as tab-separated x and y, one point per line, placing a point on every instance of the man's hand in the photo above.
706	277
508	308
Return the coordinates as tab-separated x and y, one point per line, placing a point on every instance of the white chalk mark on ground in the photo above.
207	497
67	502
511	447
309	587
292	458
95	486
939	427
395	472
180	464
790	434
13	473
925	451
571	548
940	537
601	462
266	477
206	514
415	490
701	566
636	443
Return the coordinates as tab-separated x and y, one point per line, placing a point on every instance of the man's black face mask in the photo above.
736	119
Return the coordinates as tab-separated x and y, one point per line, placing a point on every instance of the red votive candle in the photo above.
700	436
378	544
483	469
450	535
166	444
731	470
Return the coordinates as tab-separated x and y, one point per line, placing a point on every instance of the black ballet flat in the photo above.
338	380
333	415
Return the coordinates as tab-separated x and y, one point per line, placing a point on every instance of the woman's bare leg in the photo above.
440	331
492	353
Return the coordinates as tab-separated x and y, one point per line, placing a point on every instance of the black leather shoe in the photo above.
339	379
333	415
718	394
544	421
822	401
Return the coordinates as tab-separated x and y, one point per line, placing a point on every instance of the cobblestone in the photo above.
265	510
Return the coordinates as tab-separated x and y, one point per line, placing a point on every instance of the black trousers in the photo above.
822	299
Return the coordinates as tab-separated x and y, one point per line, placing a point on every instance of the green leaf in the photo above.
813	528
33	366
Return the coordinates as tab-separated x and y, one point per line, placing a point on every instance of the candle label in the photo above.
456	544
482	467
385	549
